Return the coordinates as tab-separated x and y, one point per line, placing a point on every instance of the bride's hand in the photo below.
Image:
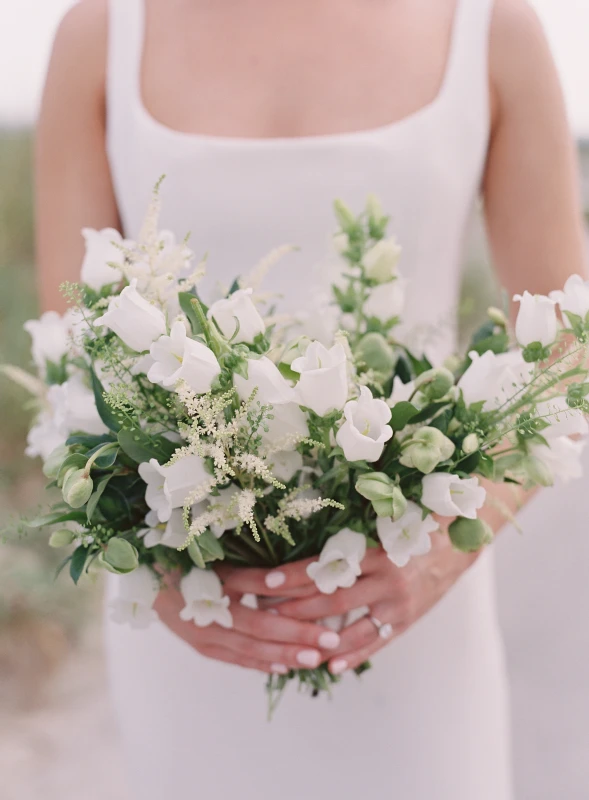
259	639
396	597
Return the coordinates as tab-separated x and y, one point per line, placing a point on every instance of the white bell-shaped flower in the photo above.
101	252
323	382
575	297
137	592
536	320
135	320
205	602
365	432
168	487
339	564
451	496
177	357
408	536
237	317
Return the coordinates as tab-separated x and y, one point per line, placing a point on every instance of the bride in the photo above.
260	113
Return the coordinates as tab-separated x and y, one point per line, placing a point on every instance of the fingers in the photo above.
245	648
267	626
365	592
362	639
287	580
228	656
289	655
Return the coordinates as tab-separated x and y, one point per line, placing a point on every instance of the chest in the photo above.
264	69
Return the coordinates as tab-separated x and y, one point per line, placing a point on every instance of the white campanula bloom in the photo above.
386	300
402	392
339	563
408	536
170	534
560	460
536	320
575	297
563	420
380	262
74	407
168	487
494	379
285	464
450	496
288	423
323	382
364	433
177	357
321	318
262	373
225	504
237	317
135	320
45	436
50	336
205	603
137	592
101	250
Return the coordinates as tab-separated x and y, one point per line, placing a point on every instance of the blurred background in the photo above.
56	724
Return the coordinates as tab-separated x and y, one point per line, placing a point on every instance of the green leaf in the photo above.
428	412
402	413
95	497
471	462
77	563
90	441
185	299
108	459
76	460
234	287
141	447
106	413
61	567
196	554
211	546
288	372
57	517
55	373
498	343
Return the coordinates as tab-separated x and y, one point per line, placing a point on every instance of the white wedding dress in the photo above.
430	721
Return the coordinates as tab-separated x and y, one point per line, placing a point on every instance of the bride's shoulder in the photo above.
81	38
78	61
520	58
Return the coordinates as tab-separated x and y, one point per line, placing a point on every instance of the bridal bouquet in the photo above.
179	435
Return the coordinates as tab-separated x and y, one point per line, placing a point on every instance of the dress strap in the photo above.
125	48
467	78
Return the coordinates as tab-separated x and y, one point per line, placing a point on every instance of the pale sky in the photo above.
27	28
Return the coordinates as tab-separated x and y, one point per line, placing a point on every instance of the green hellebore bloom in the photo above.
54	460
469	535
374	350
470	444
61	538
427	448
435	383
77	488
386	497
119	557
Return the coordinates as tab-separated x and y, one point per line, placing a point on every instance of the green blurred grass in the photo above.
17	296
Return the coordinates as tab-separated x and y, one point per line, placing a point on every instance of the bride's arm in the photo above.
74	190
535	225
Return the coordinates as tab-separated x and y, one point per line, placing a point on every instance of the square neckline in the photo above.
290	141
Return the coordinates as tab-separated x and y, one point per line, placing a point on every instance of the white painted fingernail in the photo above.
339	665
309	658
329	640
279	669
273	611
275	579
